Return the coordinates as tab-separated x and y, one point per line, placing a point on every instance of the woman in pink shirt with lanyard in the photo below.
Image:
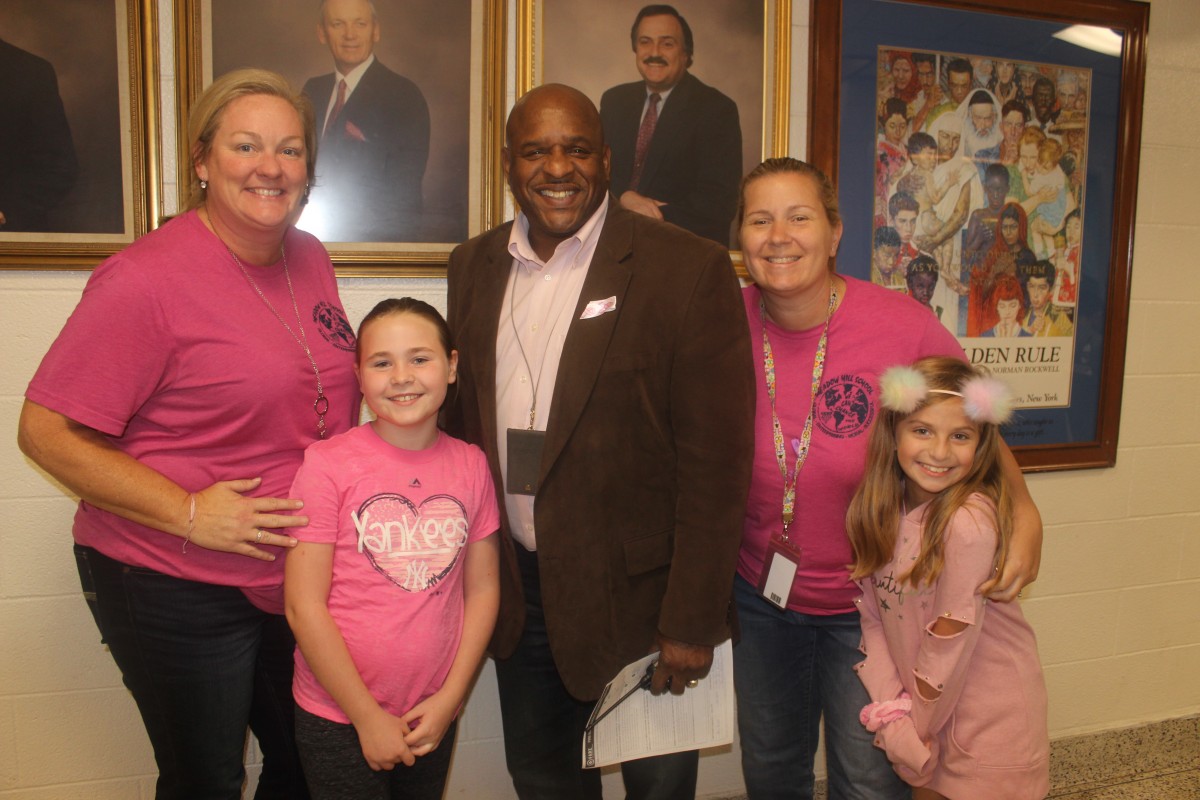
819	350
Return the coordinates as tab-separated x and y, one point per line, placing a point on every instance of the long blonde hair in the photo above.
873	517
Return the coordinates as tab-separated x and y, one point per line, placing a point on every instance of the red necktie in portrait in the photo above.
337	107
645	134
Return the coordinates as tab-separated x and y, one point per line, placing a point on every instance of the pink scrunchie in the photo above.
875	715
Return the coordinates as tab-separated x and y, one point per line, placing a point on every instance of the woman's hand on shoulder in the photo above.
1018	571
229	521
1024	559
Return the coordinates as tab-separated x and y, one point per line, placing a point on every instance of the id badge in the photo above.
779	570
524	460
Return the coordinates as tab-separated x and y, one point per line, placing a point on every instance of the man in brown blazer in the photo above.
605	368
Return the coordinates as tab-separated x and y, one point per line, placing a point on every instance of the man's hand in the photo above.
680	665
640	204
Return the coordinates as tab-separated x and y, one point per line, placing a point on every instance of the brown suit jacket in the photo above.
648	446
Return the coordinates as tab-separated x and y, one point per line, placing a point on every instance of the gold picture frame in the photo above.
720	28
461	197
103	66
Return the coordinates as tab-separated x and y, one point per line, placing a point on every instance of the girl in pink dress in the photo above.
959	702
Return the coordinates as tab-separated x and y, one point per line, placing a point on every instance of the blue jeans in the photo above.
543	724
202	663
789	669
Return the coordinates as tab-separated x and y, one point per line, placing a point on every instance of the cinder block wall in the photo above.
1114	609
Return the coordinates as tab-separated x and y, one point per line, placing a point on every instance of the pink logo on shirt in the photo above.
415	547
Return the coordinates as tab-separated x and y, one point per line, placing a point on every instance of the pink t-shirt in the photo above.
175	357
399	521
985	736
873	329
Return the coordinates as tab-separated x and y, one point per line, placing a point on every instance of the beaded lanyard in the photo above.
802	445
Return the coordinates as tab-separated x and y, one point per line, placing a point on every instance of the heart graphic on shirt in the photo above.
414	547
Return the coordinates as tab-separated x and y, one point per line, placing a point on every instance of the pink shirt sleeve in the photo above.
112	355
877	671
485	517
317	484
943	661
879	674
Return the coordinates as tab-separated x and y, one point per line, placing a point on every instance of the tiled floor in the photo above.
1178	786
1160	761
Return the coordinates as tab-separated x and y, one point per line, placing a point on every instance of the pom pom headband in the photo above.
984	399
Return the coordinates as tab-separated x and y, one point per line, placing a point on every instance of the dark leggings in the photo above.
336	770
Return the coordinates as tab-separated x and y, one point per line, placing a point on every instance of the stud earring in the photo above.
203	184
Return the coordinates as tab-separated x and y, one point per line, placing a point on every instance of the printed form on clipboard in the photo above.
629	722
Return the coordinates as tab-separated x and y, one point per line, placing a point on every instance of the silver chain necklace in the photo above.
321	404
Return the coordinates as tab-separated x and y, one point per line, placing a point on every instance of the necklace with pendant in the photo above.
321	404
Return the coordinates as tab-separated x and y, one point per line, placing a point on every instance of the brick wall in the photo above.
1114	609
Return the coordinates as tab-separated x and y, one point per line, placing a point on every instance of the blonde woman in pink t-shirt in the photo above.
176	403
393	589
958	697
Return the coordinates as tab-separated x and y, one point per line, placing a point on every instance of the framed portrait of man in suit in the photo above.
78	142
716	74
399	89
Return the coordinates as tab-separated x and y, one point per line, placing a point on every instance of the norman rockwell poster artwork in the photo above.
979	177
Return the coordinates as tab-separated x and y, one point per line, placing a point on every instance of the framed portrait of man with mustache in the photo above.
681	93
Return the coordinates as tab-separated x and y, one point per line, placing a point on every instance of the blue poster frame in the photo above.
845	39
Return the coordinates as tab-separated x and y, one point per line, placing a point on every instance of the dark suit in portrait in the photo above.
371	159
38	165
694	162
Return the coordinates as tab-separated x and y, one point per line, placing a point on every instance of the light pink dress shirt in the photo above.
538	308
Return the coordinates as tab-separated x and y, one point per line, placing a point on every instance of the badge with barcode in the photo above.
779	570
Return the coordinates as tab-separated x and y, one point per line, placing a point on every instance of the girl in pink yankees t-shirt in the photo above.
393	589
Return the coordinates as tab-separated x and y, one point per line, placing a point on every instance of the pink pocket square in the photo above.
597	307
355	132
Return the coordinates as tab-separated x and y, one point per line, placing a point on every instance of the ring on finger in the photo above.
258	536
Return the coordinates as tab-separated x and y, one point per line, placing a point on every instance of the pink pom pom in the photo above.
987	400
902	389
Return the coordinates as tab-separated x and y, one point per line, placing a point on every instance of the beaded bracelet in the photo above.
191	521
